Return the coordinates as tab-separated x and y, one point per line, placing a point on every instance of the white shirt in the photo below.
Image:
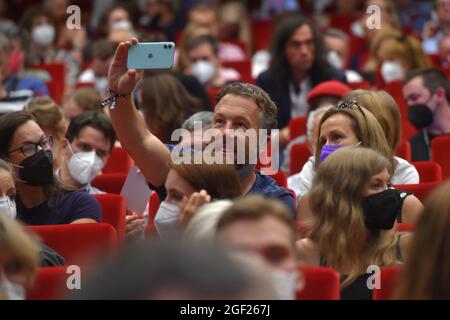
101	83
405	173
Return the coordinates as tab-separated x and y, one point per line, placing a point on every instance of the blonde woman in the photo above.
347	125
19	259
50	118
386	111
354	213
429	252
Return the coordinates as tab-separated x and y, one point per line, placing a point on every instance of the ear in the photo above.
65	147
440	93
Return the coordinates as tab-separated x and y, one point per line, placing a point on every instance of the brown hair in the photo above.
221	181
103	49
259	96
87	99
338	223
166	104
366	128
426	273
14	241
385	110
255	207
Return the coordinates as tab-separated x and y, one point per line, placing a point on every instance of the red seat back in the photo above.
78	243
119	162
243	67
280	178
420	190
152	209
388	281
114	210
429	171
299	155
261	34
297	127
110	182
404	150
50	284
212	94
56	84
440	147
320	284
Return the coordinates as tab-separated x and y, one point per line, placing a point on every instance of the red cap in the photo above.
329	88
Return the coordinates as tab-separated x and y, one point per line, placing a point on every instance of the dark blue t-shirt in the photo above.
62	209
268	187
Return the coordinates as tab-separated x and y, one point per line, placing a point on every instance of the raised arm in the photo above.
149	153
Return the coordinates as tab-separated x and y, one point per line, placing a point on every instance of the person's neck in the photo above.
66	177
298	77
30	196
248	181
441	123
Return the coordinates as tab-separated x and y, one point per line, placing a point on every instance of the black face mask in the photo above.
37	170
420	116
381	209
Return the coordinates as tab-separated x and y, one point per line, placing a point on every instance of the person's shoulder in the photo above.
263	78
403	164
77	197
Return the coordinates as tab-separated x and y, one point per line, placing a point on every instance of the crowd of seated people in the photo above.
165	168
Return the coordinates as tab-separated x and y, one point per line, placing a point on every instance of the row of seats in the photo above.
319	284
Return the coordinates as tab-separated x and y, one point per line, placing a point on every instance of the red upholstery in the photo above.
320	284
420	190
294	195
281	178
261	32
404	227
114	210
79	85
50	284
212	94
404	150
440	150
429	171
110	182
119	162
153	208
78	242
388	280
299	155
55	86
359	85
243	67
297	127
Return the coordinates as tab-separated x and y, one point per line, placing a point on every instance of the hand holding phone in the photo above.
151	55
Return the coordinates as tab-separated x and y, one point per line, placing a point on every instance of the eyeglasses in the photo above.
348	104
28	149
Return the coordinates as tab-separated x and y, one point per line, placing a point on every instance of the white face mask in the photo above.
285	284
335	60
204	71
8	206
11	291
391	71
84	166
122	25
167	220
43	35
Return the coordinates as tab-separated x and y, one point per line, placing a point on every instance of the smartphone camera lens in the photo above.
170	46
165	46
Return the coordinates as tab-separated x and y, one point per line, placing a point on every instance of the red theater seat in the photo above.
404	150
78	242
50	284
388	281
281	178
119	162
429	171
420	190
110	182
57	82
243	67
297	127
440	153
114	210
320	284
299	155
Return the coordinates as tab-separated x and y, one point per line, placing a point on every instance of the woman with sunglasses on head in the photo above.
41	198
350	125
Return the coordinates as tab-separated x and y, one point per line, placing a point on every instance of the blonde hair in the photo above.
14	241
385	110
366	128
405	48
338	224
87	99
48	115
426	273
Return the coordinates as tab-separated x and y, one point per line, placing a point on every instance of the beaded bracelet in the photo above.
111	101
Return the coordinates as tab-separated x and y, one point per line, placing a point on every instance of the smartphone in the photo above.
151	55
